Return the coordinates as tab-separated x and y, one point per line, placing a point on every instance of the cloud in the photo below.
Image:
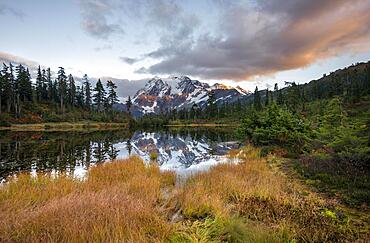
270	37
176	27
166	18
130	60
4	9
95	19
16	60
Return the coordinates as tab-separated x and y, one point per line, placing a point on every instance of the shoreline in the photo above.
64	126
202	125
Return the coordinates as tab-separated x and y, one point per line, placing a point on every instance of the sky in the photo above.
235	42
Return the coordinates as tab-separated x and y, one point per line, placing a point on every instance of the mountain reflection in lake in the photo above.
183	151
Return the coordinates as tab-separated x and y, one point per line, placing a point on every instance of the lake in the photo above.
182	150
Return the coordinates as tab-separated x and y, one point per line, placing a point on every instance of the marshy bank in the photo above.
253	201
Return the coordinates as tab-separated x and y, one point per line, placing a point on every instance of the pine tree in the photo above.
278	95
80	96
112	97
212	107
24	84
39	83
12	84
44	92
49	82
62	88
99	95
71	94
20	88
87	87
55	91
7	87
28	84
129	105
267	101
367	80
257	100
293	96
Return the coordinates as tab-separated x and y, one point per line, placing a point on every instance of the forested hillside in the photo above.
325	125
350	84
45	99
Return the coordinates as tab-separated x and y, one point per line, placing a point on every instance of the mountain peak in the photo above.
180	92
180	78
241	90
220	86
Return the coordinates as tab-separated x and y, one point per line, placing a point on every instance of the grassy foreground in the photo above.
127	201
64	126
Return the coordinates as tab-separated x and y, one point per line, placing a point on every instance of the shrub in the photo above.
277	126
153	156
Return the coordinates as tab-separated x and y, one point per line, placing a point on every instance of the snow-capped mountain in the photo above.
165	94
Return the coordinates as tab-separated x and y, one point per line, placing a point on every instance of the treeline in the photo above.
17	90
211	111
350	83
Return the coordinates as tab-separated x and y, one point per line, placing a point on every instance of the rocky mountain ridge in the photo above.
164	94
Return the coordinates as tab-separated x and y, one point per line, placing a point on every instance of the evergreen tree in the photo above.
12	87
212	107
129	105
112	97
267	101
7	87
278	95
99	95
87	87
44	92
39	85
55	91
293	96
71	94
276	89
80	96
62	88
24	84
21	78
28	85
49	82
195	111
257	100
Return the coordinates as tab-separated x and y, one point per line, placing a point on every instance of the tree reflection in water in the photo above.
66	151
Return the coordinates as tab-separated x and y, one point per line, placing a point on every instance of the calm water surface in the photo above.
184	151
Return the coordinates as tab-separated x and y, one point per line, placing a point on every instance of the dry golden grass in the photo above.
119	201
255	192
133	202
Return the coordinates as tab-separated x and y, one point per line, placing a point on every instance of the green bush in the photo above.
153	156
276	126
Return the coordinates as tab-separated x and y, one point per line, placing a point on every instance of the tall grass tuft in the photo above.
254	192
119	201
